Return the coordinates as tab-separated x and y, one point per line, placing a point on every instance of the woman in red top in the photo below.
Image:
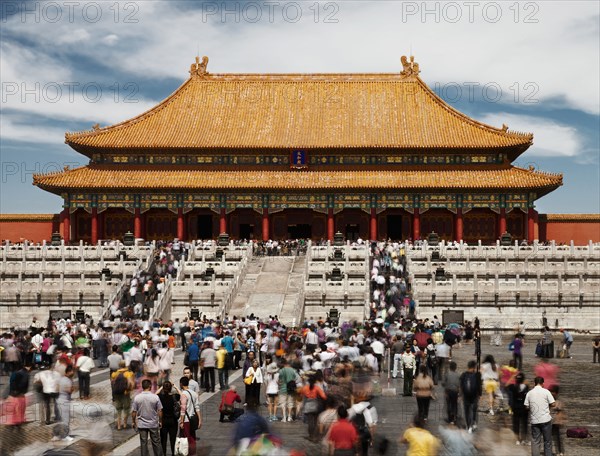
311	394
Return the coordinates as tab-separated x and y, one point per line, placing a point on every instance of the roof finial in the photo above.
504	128
199	68
410	67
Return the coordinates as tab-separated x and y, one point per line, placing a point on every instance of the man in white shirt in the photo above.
84	366
538	401
378	350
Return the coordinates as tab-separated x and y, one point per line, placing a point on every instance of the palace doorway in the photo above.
299	231
204	226
246	231
394	227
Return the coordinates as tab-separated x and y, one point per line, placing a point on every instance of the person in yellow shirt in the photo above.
222	368
123	383
420	441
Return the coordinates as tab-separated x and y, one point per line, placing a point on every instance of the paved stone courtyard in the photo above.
580	385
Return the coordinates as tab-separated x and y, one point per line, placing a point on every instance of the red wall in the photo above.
581	232
16	230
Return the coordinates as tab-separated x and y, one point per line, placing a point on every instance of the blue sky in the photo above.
534	66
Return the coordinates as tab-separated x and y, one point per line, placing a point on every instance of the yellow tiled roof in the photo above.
571	217
120	177
300	111
27	217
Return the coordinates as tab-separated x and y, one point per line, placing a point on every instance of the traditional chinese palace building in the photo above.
300	155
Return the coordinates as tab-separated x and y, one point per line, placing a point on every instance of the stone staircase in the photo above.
272	286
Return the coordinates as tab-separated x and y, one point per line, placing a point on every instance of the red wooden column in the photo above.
222	221
66	225
373	224
180	224
137	223
94	234
416	224
330	224
265	224
501	222
458	225
531	215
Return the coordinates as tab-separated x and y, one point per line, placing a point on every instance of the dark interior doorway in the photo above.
246	231
394	227
205	227
352	232
300	231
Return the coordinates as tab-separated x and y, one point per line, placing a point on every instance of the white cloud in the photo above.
77	36
550	138
110	39
551	44
12	130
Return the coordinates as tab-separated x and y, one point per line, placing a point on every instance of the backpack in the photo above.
120	384
468	384
361	426
291	386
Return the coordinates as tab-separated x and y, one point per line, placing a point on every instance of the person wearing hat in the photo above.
272	381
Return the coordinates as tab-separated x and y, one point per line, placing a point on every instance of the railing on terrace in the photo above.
238	280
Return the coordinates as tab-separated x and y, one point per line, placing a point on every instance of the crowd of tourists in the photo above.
325	374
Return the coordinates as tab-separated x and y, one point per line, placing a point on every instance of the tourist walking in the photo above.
287	390
222	367
65	389
423	387
208	360
451	389
193	357
146	413
169	398
518	345
342	438
538	401
409	367
558	421
152	368
420	441
312	395
46	382
489	375
517	396
471	389
15	405
253	380
596	349
190	419
122	384
84	365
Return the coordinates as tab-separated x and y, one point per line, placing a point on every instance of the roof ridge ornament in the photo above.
410	67
199	68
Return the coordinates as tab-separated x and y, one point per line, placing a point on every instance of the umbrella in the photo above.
455	329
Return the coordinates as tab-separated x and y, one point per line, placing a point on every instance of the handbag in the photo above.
249	379
311	406
181	446
193	420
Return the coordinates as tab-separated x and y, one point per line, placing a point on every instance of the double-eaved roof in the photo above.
338	113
